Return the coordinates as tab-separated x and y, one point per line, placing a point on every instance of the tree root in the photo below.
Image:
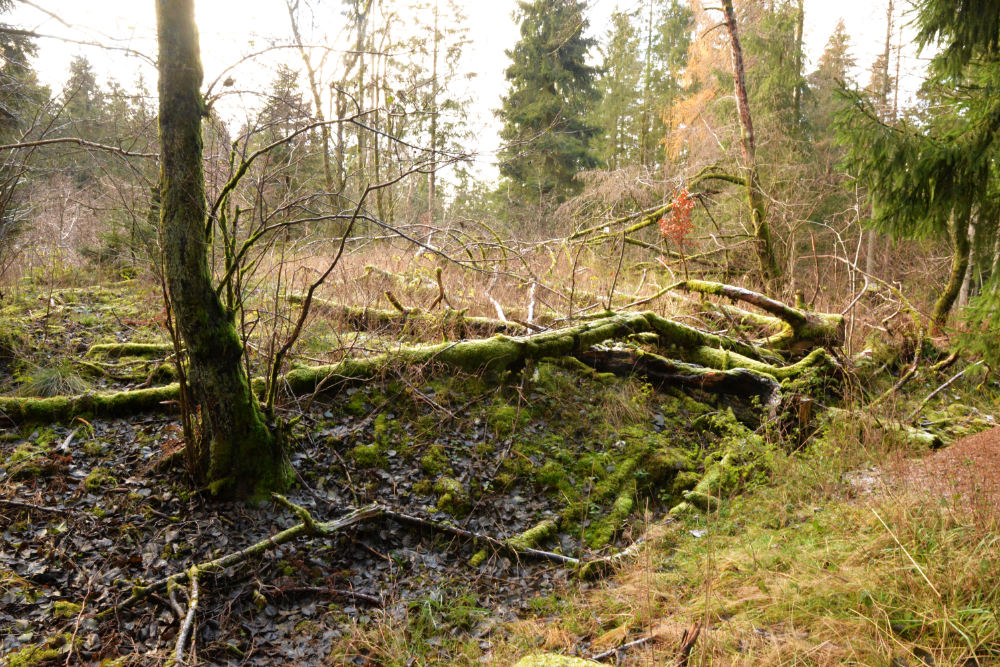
524	545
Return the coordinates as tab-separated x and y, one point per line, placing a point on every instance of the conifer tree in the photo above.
546	134
932	178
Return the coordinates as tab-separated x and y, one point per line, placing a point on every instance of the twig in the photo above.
621	648
441	294
688	640
38	508
864	290
395	303
185	633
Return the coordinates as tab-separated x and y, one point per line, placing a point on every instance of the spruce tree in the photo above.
620	112
935	177
546	133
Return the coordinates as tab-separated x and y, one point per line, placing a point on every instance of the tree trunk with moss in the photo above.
959	267
243	456
755	195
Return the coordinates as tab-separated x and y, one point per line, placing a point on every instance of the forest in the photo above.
694	368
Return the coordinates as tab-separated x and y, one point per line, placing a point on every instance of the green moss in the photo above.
505	418
478	558
684	481
663	464
601	532
434	462
93	448
551	475
452	496
536	535
381	428
368	456
356	405
29	460
98	479
65	609
49	651
163	374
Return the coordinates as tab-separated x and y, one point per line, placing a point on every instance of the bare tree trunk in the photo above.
244	456
647	83
870	245
431	183
314	87
755	196
797	93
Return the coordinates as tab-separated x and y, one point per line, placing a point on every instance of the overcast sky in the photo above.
233	28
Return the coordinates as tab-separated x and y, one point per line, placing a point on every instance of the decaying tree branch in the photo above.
802	329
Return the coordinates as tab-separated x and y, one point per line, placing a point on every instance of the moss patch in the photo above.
98	479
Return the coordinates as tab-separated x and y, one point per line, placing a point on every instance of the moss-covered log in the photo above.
64	408
491	355
807	329
143	350
665	372
452	323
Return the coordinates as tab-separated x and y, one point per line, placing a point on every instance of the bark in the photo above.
755	195
244	456
959	267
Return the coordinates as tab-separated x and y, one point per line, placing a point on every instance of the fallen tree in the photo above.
798	329
684	356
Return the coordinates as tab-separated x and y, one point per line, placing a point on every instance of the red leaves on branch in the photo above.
676	225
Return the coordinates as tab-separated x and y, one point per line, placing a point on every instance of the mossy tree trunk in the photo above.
959	267
769	268
241	454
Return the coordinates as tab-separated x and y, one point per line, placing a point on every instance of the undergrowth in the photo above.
832	560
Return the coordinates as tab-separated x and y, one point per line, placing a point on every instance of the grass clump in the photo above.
49	381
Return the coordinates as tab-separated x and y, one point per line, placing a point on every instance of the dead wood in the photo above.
676	343
454	322
665	372
805	329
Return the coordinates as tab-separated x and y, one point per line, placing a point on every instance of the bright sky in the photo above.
231	29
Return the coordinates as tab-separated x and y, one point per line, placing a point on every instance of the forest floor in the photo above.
839	549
